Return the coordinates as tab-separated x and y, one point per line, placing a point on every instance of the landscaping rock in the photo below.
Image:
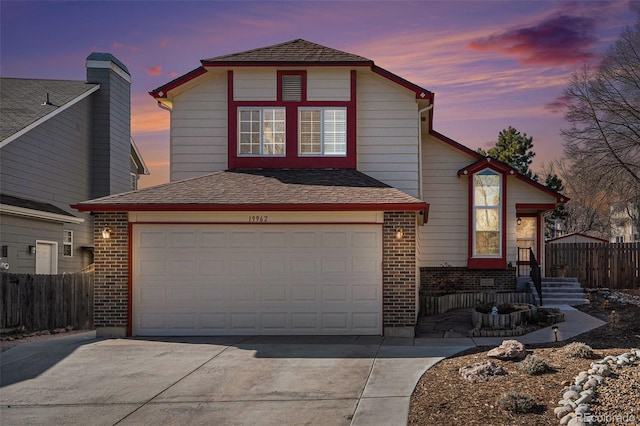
571	395
562	411
509	350
481	371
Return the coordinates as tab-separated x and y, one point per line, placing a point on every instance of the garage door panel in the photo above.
216	239
277	279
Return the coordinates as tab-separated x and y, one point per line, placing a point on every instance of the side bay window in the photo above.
487	214
322	131
261	131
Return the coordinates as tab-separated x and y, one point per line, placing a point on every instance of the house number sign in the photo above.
258	219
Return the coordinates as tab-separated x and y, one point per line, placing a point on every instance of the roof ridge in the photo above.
279	53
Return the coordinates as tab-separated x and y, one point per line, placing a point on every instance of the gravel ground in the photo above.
457	402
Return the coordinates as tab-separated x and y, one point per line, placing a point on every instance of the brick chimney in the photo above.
111	146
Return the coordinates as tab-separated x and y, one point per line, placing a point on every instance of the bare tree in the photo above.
588	212
603	109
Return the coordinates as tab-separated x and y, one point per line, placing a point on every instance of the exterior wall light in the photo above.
106	233
399	234
32	249
519	221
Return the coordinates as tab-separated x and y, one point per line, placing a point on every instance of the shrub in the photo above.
578	350
516	403
533	365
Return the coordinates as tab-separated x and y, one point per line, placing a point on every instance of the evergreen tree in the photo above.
514	149
554	183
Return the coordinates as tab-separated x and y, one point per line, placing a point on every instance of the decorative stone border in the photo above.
574	406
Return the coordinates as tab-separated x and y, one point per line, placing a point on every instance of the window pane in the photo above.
487	220
488	243
486	189
310	133
334	130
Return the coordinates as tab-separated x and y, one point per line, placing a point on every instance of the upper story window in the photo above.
487	214
261	131
323	131
133	181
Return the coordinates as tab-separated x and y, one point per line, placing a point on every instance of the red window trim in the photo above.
291	159
488	262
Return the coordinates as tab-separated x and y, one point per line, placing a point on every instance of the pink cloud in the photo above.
117	45
560	40
164	43
173	74
153	71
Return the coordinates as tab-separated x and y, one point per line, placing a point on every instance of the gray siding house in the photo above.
62	142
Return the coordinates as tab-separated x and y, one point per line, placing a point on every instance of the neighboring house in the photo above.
309	194
62	142
576	237
623	222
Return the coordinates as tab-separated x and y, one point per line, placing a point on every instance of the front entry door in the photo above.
526	238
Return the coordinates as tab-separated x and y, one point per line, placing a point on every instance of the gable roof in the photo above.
27	103
492	163
577	234
296	52
293	51
264	189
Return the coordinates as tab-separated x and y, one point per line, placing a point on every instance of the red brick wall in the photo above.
448	279
399	271
111	258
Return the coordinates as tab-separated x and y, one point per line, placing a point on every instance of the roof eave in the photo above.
121	207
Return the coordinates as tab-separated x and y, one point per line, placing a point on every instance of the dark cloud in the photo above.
558	105
561	40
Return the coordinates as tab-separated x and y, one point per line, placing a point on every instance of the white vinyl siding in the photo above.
387	132
199	129
444	239
254	84
328	84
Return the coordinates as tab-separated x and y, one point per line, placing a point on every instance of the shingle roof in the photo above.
291	51
32	205
24	101
274	187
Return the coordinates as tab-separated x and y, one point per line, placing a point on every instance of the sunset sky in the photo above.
491	64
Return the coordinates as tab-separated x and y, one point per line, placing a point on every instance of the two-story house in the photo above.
62	142
309	194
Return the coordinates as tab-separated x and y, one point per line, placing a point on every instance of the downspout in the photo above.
420	189
421	196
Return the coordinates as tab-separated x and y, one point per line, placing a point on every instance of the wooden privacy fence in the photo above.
613	265
47	302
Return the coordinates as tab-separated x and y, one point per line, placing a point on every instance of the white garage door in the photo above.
257	279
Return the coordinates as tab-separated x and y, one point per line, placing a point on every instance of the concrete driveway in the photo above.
216	380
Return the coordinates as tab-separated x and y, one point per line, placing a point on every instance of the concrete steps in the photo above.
560	291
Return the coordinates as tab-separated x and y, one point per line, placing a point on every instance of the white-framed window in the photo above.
67	243
487	214
261	131
133	179
322	131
